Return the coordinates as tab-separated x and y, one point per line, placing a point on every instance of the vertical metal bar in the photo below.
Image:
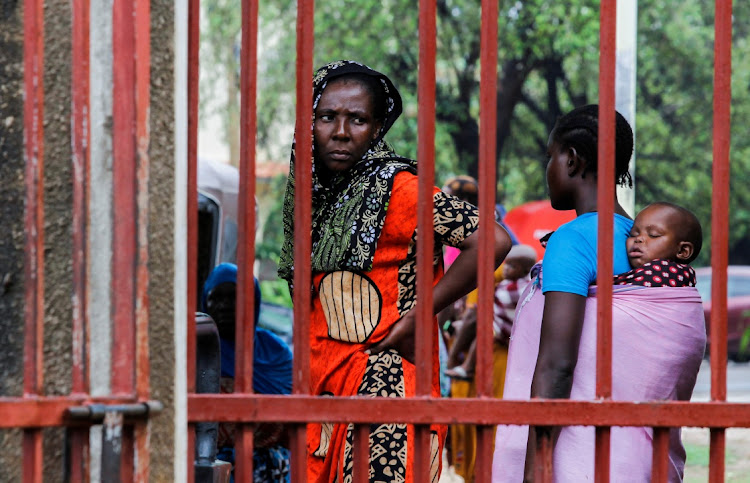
605	204
141	450
361	452
425	239
660	463
245	324
80	145
720	196
302	224
33	226
720	223
543	469
78	437
112	447
124	196
716	455
193	69
487	187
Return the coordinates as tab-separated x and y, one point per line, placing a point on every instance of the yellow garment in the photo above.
473	296
464	436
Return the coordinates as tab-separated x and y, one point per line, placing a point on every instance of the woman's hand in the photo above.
400	338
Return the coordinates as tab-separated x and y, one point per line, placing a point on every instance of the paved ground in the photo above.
697	440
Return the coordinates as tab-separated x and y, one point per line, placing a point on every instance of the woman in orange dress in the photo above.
363	262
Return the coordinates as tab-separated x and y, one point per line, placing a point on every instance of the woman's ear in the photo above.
378	128
574	161
685	251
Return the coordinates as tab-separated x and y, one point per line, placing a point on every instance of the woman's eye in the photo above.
325	117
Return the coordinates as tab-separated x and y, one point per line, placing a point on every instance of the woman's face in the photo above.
345	126
557	176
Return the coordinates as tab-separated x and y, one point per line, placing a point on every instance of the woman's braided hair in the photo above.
578	129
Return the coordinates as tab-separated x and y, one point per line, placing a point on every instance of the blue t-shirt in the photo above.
569	262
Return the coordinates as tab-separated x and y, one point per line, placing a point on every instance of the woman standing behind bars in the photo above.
363	260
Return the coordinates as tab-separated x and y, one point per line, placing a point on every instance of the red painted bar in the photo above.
246	249
720	196
124	195
302	225
720	223
487	188
546	412
33	226
426	156
79	437
605	203
543	468
660	464
425	240
716	455
141	451
361	452
193	69
80	145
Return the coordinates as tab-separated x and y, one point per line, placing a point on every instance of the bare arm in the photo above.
562	323
460	279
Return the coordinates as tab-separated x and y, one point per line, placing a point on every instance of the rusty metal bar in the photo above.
193	70
660	464
245	323
720	223
426	410
605	204
33	226
96	412
487	188
302	225
720	196
425	329
543	459
426	156
141	461
124	195
361	452
78	438
716	455
485	447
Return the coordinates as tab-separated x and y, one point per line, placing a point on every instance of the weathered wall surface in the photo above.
161	237
11	221
58	206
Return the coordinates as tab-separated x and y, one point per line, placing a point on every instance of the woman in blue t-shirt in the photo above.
570	259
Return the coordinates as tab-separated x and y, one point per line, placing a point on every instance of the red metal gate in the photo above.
125	450
302	407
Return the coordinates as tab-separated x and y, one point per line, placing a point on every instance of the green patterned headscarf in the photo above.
348	212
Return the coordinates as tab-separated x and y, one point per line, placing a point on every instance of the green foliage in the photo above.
275	292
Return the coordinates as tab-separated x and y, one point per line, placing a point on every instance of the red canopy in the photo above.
531	221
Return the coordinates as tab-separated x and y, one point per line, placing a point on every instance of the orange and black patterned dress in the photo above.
353	310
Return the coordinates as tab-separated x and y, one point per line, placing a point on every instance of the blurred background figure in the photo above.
272	374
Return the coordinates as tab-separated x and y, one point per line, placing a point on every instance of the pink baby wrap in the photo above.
659	337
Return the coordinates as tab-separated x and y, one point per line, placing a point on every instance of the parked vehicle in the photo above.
738	308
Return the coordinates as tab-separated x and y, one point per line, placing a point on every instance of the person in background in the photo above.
272	374
363	262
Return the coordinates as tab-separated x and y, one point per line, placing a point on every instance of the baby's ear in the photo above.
685	251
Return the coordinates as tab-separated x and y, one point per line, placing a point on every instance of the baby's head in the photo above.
519	261
664	230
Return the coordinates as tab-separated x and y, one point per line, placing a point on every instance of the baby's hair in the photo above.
688	227
578	129
372	85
